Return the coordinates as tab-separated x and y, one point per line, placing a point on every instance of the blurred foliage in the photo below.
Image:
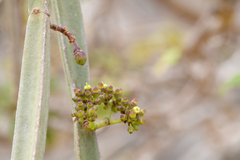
162	49
231	84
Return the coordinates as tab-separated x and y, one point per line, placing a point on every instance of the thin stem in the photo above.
104	123
109	110
64	31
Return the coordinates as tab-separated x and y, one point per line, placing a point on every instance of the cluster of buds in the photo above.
90	99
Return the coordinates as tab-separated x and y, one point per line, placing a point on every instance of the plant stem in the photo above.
103	123
32	106
68	13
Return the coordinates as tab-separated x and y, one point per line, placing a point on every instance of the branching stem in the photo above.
103	123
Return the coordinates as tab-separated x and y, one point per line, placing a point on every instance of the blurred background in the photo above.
179	58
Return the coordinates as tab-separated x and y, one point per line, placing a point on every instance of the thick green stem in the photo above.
68	13
32	106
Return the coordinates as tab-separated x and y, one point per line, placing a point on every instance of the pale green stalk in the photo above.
68	13
32	106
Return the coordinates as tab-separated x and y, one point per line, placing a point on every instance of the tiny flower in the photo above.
136	109
87	87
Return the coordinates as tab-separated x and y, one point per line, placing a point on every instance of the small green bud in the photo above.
95	115
125	101
109	89
91	111
95	92
80	104
79	108
102	97
73	115
80	93
121	108
118	93
130	129
89	105
132	114
76	90
79	56
87	87
135	127
97	101
76	99
142	112
118	100
134	102
100	85
109	97
79	114
127	111
104	88
142	121
88	93
91	119
118	108
95	108
136	109
123	117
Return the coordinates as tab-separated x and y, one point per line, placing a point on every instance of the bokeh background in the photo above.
179	58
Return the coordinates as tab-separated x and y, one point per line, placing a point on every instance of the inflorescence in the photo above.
89	100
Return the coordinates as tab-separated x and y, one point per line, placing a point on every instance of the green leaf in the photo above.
32	106
68	13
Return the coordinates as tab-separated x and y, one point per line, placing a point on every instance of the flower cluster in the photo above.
89	100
